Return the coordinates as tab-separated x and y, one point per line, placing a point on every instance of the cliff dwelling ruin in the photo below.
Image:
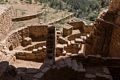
36	50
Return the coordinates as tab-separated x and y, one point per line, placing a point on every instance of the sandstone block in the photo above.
75	34
27	41
78	40
35	51
72	48
77	25
59	50
30	56
67	30
62	40
40	49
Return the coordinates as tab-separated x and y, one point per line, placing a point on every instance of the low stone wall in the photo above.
62	19
72	48
37	54
27	17
36	45
77	25
84	28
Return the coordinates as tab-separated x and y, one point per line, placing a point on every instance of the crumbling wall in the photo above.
77	25
62	19
17	37
82	26
35	46
37	54
27	17
5	21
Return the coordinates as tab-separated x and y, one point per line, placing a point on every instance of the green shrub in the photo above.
81	8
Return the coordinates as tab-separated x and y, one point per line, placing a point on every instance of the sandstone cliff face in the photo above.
114	5
105	40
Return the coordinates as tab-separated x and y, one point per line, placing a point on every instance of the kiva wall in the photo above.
16	37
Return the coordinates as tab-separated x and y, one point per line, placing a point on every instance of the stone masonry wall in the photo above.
38	32
51	45
5	21
77	25
16	37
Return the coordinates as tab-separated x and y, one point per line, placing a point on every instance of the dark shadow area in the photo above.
65	73
7	72
92	67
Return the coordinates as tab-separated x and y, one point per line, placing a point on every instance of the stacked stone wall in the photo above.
5	22
16	37
38	33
